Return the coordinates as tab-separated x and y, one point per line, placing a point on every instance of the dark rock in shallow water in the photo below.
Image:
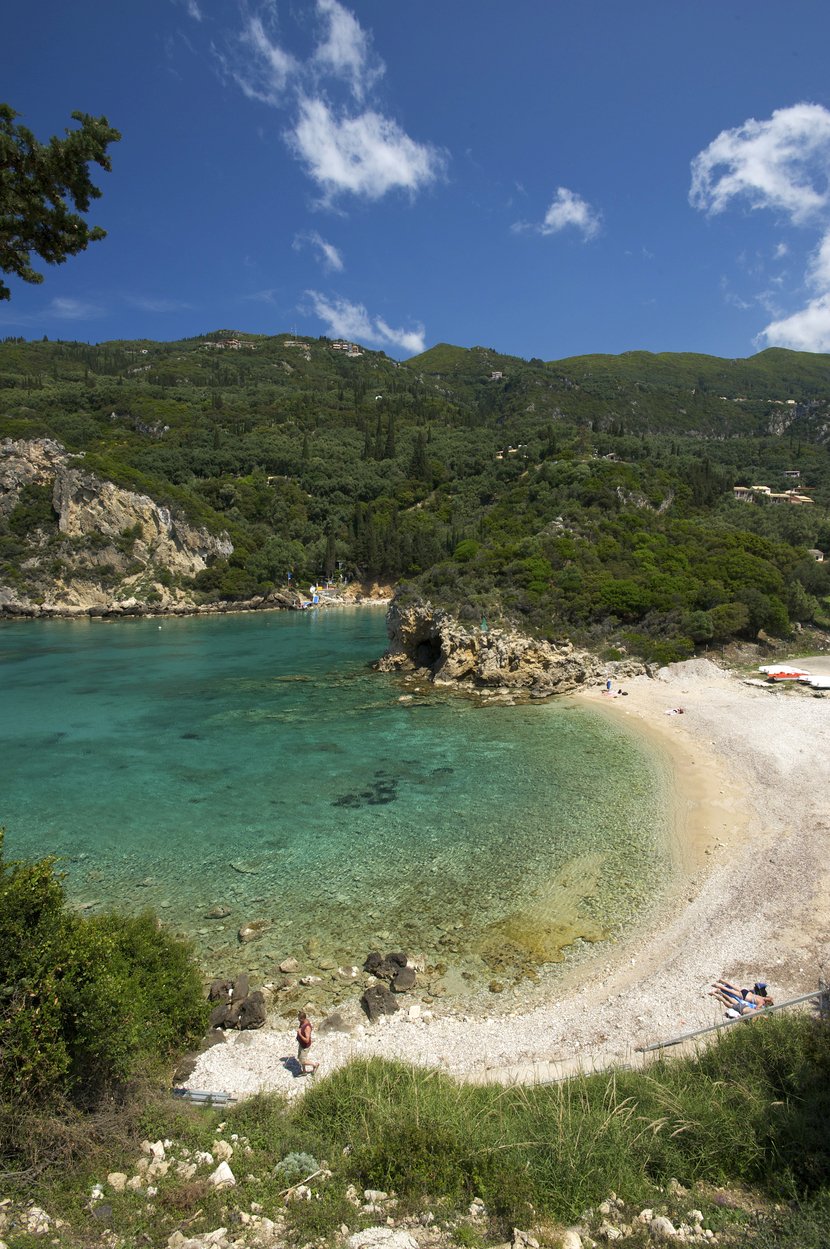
346	800
385	968
378	1000
241	987
405	980
220	990
252	1012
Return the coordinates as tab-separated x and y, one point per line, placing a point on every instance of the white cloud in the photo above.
781	164
345	52
567	209
410	341
191	7
806	330
68	309
352	321
365	155
809	328
570	209
818	273
329	255
260	66
351	149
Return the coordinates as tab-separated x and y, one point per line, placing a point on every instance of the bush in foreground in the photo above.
738	1132
86	1005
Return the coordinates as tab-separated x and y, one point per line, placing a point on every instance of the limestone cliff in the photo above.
101	549
431	640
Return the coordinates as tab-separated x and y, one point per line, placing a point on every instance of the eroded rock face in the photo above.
86	505
109	543
425	638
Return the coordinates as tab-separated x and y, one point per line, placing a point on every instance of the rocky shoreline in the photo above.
114	552
280	600
749	822
433	645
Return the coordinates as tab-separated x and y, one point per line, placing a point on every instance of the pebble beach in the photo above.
751	901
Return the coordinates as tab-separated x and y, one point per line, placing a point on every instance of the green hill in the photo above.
590	496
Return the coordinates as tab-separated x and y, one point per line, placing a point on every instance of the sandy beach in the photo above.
752	901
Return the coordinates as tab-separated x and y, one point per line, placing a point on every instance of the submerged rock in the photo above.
252	930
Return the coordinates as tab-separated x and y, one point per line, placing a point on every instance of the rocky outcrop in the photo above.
235	1006
105	548
432	641
87	505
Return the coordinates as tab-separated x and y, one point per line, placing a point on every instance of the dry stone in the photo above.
382	1238
222	1177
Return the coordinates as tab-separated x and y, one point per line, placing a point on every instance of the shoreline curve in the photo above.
751	901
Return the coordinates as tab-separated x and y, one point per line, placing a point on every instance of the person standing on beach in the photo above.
307	1066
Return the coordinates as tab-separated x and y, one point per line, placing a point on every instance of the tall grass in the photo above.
750	1112
753	1110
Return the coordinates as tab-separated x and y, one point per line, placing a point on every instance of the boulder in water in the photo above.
404	980
220	990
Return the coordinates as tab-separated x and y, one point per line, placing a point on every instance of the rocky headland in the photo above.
435	645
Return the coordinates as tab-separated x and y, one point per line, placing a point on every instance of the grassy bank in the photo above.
738	1133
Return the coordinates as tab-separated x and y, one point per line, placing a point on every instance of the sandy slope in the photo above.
751	769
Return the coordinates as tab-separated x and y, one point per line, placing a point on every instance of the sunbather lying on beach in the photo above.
744	1001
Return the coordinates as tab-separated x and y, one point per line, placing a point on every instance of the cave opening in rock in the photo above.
428	652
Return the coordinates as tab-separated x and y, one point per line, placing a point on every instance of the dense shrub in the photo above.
85	1004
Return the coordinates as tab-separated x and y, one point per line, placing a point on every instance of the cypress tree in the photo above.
389	449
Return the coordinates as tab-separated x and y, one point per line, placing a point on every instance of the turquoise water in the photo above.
254	762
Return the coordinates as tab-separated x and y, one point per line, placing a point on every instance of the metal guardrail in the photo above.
201	1097
822	993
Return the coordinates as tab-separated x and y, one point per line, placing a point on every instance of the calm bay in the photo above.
256	764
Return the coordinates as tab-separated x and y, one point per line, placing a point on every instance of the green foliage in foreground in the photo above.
742	1126
752	1110
85	1004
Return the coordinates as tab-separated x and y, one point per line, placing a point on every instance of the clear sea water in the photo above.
255	762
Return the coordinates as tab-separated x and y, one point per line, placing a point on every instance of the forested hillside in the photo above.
589	497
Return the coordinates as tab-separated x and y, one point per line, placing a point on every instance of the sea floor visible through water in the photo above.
255	763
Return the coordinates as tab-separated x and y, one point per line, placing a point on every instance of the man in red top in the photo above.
307	1067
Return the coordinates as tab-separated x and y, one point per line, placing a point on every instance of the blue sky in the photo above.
547	178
